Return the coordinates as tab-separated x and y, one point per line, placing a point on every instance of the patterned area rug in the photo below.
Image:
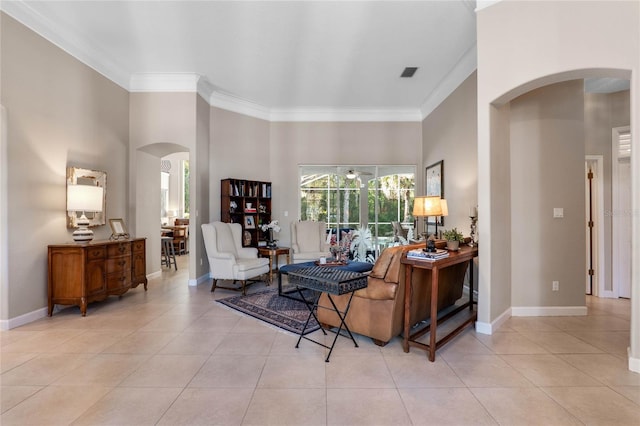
280	311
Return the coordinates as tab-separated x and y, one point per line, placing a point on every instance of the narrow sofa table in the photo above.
465	254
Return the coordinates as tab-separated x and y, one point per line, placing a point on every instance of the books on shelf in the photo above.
424	255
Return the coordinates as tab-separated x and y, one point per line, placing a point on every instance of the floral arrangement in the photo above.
273	226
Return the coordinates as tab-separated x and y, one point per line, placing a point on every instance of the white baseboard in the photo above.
199	280
156	274
490	328
23	319
548	311
634	363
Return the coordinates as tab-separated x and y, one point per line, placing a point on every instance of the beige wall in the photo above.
60	112
547	172
524	46
450	133
293	144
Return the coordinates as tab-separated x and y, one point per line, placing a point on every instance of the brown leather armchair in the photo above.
378	310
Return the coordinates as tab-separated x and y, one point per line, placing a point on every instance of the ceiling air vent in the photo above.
409	72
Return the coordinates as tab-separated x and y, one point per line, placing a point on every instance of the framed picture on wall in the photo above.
434	186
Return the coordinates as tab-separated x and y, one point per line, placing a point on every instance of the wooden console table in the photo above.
466	254
83	273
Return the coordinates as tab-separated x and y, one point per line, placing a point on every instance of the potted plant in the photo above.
454	238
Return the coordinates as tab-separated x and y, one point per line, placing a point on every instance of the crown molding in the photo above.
467	64
65	40
346	114
233	103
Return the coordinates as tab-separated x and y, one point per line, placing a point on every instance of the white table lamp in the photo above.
84	198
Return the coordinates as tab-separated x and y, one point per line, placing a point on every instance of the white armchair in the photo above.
228	260
309	241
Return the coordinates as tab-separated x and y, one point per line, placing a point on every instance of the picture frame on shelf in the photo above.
249	222
118	229
434	186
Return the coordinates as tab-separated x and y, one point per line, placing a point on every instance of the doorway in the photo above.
594	213
621	210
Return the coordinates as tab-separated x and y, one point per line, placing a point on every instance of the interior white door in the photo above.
621	215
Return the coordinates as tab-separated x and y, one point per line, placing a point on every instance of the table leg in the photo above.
270	269
434	314
407	307
471	284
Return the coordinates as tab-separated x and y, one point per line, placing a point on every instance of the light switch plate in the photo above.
558	212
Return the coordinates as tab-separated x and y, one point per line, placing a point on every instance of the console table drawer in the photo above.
118	264
119	249
96	253
119	281
138	246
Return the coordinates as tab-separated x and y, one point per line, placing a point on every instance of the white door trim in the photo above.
4	237
599	264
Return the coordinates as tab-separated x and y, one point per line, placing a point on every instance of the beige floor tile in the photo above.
486	371
54	405
631	392
92	341
597	405
608	341
43	369
42	341
103	370
287	407
358	372
247	343
193	343
365	407
11	360
522	324
452	406
561	343
294	371
249	324
523	406
608	369
464	344
414	370
208	407
147	342
214	323
510	343
229	371
10	396
130	406
285	344
166	371
549	370
168	322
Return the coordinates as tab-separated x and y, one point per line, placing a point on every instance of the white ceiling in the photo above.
273	59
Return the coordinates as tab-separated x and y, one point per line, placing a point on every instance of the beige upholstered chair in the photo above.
309	241
228	260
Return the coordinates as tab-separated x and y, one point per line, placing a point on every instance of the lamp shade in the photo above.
427	206
86	198
444	207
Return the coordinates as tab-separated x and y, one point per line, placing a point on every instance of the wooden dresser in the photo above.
83	273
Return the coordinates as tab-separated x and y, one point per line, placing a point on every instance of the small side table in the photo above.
331	281
273	253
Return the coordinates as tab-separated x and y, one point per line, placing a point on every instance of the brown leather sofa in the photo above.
378	310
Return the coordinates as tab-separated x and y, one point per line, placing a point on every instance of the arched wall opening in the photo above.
147	199
522	264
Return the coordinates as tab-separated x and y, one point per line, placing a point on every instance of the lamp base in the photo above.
83	234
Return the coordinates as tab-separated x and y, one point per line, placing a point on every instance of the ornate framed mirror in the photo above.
80	176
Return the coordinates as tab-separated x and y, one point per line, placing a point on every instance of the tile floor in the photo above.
173	356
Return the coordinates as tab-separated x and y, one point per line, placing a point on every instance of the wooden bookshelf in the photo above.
247	202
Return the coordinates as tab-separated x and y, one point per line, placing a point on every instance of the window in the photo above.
377	196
